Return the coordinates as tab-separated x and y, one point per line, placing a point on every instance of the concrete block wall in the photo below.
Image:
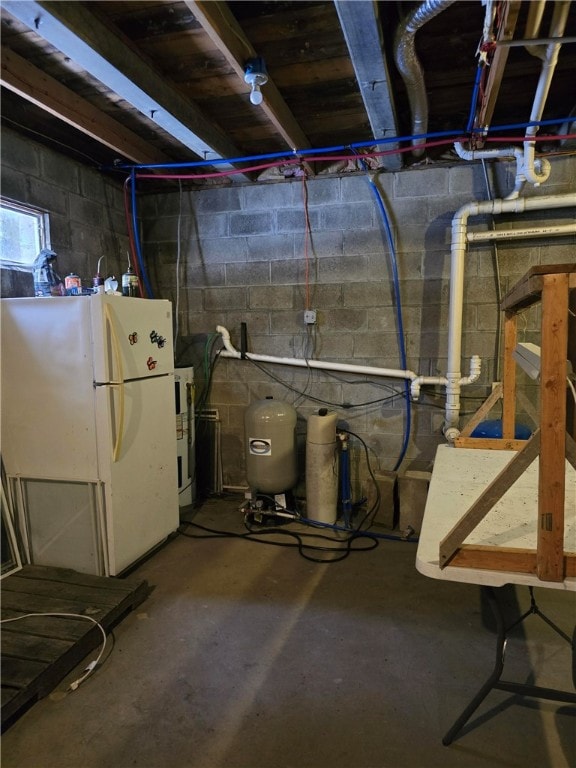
86	210
243	258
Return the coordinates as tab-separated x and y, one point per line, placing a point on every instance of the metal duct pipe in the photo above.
410	68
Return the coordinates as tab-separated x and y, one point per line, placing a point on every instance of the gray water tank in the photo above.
271	455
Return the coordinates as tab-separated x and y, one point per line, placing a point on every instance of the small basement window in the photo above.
24	232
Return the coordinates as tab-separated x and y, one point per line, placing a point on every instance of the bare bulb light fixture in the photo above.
255	75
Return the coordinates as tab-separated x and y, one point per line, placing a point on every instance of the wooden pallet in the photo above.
38	652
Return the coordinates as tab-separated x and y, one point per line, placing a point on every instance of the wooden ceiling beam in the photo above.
227	35
509	18
105	55
361	27
30	83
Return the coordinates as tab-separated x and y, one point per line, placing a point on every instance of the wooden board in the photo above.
482	412
497	66
38	652
505	559
493	493
528	290
490	443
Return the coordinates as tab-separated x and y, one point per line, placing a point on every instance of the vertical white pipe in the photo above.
528	168
558	25
535	14
458	255
453	373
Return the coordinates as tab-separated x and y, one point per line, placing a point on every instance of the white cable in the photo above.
93	664
573	390
178	252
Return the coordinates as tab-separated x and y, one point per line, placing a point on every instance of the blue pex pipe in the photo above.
398	303
337	148
361	534
399	319
345	489
137	244
474	98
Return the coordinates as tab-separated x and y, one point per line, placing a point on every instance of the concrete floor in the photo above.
250	656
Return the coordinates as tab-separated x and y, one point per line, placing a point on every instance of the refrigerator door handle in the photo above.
119	432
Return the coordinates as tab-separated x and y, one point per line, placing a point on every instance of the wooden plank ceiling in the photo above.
162	80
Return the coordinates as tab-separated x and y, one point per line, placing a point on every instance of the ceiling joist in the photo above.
21	77
361	28
228	37
173	73
107	57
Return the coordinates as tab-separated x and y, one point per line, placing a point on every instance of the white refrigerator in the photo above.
88	428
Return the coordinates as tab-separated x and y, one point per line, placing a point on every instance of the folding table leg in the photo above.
494	681
494	676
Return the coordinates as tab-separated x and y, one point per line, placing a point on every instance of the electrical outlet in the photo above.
309	316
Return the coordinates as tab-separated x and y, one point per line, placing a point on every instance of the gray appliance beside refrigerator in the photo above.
88	433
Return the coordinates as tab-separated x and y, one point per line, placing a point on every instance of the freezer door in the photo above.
132	338
137	458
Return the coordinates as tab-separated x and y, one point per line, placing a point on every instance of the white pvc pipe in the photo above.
556	230
486	154
392	373
453	381
535	14
416	381
557	27
458	253
550	59
490	154
528	168
539	41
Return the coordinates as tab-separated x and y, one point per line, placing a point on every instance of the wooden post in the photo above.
571	404
509	376
552	474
